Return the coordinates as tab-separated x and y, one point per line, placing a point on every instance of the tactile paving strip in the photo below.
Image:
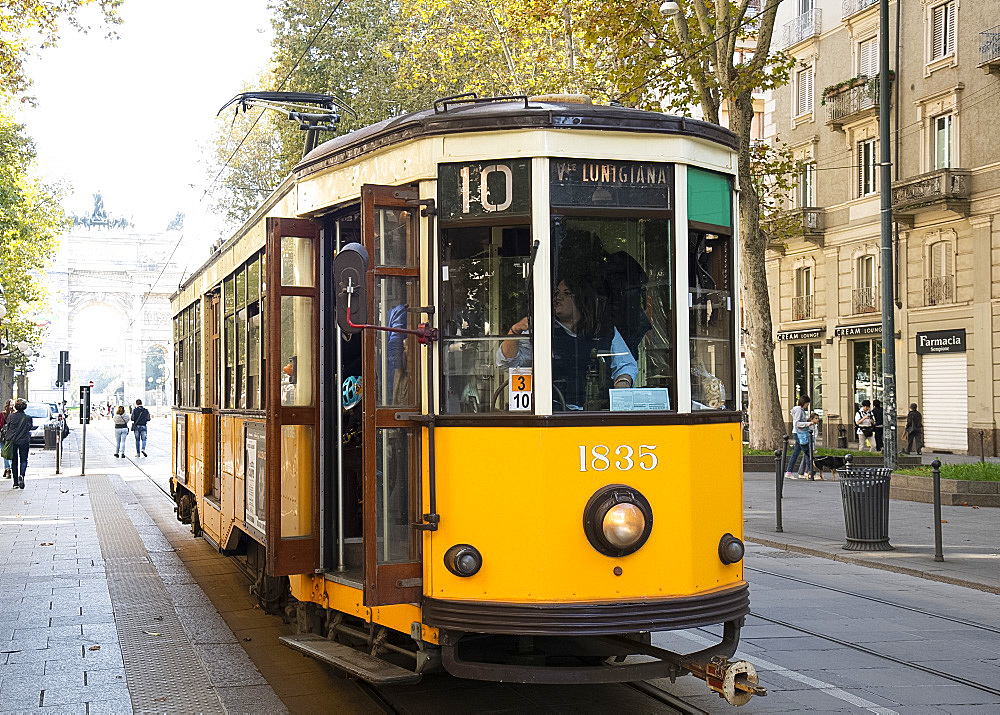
162	669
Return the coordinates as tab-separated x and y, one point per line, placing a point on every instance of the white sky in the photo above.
134	117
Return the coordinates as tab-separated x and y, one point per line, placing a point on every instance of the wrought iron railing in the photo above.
804	26
852	101
989	45
850	7
938	290
802	307
865	300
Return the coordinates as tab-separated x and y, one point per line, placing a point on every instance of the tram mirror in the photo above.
350	277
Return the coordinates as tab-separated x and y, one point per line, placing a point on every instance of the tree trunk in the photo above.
767	424
6	382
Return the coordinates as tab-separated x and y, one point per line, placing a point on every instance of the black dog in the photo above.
826	463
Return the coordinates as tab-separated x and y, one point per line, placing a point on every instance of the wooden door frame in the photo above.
293	555
384	583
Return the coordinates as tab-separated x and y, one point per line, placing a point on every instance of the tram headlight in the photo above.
463	560
731	549
623	525
617	520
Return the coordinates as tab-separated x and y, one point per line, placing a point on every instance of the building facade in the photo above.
825	284
109	306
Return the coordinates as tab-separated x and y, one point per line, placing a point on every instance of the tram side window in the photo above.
187	356
484	291
613	314
243	337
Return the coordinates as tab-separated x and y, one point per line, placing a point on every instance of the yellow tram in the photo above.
462	394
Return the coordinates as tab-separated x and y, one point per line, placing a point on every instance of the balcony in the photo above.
802	307
989	50
939	190
864	300
802	28
857	100
810	222
939	290
853	7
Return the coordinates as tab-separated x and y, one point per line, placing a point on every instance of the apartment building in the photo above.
826	283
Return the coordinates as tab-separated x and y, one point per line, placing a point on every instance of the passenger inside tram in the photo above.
584	347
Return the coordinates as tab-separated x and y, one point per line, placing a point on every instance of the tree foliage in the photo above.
27	23
31	219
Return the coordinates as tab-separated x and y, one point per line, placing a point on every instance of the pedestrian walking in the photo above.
802	431
140	418
865	422
18	433
8	410
121	432
877	415
914	429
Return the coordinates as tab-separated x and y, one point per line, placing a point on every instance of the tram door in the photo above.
391	442
292	504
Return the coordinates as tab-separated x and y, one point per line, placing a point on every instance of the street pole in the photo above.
889	427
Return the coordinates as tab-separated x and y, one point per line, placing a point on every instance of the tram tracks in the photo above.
874	653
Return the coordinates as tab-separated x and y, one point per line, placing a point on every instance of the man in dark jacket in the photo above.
914	429
19	426
140	416
879	417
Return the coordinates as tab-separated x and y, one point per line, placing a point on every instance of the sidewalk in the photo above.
813	522
90	622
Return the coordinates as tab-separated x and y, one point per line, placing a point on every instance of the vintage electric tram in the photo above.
462	394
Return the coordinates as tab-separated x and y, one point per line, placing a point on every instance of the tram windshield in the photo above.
612	314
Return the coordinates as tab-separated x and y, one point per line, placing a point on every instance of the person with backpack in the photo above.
879	418
140	418
802	431
914	429
17	432
864	420
121	431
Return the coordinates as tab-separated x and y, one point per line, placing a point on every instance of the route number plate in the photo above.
519	389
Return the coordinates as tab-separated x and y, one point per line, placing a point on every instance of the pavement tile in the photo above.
229	664
85	620
251	699
57	652
109	707
107	675
188	595
82	694
19	702
943	695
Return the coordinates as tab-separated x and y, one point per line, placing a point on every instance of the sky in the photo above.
133	118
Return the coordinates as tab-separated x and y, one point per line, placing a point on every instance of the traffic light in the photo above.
63	371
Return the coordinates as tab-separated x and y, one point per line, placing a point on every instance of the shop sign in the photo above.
854	331
610	184
800	334
941	341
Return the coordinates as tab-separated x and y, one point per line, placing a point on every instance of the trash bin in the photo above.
51	436
865	492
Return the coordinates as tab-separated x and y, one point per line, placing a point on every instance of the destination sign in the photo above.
613	184
496	188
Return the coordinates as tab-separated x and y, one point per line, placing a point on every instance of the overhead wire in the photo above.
225	165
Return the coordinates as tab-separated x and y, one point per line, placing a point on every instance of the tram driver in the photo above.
579	339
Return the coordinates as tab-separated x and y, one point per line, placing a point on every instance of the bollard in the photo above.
779	476
936	472
982	445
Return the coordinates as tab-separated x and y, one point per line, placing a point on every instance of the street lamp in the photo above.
669	8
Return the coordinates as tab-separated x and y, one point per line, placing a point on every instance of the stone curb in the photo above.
854	560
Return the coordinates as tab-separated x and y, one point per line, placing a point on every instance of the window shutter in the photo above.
937	32
861	168
949	36
937	259
868	57
804	101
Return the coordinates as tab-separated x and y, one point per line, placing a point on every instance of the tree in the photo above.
699	58
21	20
31	219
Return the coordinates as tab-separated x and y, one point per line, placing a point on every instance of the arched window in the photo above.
939	285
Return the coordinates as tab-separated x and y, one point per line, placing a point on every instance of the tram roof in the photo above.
507	113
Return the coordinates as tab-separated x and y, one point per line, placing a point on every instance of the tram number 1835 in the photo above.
601	457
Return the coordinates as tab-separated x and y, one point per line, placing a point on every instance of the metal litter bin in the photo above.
51	436
865	491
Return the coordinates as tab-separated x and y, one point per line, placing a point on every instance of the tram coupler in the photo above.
735	681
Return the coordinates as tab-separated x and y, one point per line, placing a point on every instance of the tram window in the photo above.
243	337
396	374
254	358
241	359
397	454
296	351
711	307
394	238
484	274
187	356
230	361
297	266
613	314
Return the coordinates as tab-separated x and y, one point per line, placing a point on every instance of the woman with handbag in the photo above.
121	431
7	450
802	432
18	432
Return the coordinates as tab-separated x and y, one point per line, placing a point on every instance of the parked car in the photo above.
41	414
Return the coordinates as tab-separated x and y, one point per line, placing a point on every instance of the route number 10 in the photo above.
484	193
600	457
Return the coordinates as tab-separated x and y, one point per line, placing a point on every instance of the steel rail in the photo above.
875	653
913	609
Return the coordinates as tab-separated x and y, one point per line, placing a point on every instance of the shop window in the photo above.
807	375
867	355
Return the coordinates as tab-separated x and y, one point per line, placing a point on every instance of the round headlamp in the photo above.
617	520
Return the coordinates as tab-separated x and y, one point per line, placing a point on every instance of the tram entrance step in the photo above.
369	668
